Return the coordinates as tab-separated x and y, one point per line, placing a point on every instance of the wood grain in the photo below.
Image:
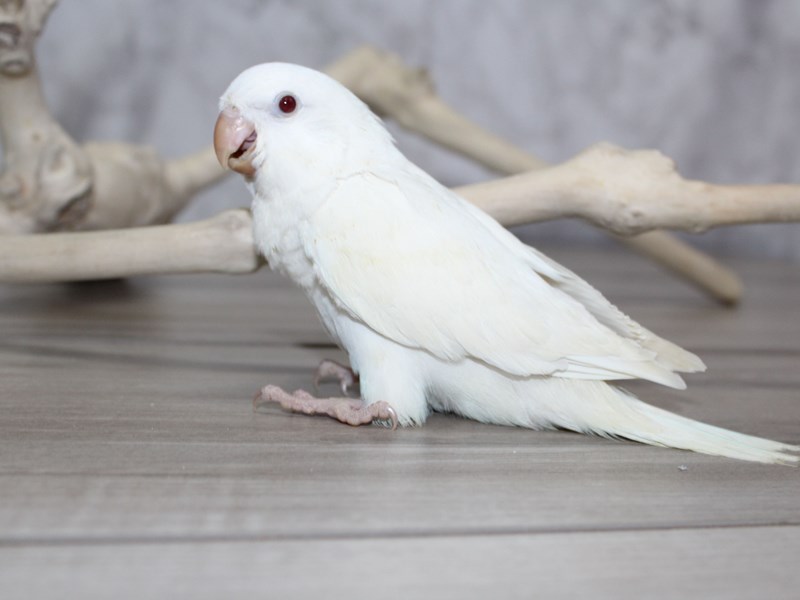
131	461
730	563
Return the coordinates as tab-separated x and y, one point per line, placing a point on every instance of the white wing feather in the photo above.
440	275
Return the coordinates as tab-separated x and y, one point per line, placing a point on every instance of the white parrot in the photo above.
437	305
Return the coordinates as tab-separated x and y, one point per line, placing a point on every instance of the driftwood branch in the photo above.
225	243
625	192
632	192
392	89
49	182
407	95
222	244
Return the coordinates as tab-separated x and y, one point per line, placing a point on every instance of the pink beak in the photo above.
235	142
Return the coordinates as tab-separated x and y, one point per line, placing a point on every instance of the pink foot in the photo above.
346	410
329	369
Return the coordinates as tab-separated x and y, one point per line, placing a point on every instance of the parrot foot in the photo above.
346	410
328	370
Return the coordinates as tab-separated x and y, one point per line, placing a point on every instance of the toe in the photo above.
265	395
329	369
303	395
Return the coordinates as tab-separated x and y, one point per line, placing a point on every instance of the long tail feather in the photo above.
626	416
597	407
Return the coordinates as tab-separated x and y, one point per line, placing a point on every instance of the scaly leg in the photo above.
329	369
347	410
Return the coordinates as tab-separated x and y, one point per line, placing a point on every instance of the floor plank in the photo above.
730	564
127	441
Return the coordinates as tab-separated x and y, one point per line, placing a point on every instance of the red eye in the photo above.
287	104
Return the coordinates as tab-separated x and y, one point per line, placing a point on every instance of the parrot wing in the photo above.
418	264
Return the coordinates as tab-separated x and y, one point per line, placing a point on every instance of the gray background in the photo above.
714	84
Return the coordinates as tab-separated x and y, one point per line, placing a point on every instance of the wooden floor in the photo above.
132	464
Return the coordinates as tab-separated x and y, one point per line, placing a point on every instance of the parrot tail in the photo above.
625	416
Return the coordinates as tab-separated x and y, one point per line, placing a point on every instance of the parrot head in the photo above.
279	118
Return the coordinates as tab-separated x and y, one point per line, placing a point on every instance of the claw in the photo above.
329	369
389	423
258	399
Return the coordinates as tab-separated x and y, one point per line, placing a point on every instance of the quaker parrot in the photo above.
438	307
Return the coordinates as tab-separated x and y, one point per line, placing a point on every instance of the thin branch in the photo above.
48	181
631	192
620	190
222	244
393	89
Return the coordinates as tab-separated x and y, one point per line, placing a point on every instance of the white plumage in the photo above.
436	304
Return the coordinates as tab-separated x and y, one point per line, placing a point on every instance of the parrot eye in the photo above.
287	104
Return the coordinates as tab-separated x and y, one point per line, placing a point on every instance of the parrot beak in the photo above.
235	142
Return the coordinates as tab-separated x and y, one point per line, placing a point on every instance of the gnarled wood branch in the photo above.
211	245
629	192
576	188
49	182
393	89
222	244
